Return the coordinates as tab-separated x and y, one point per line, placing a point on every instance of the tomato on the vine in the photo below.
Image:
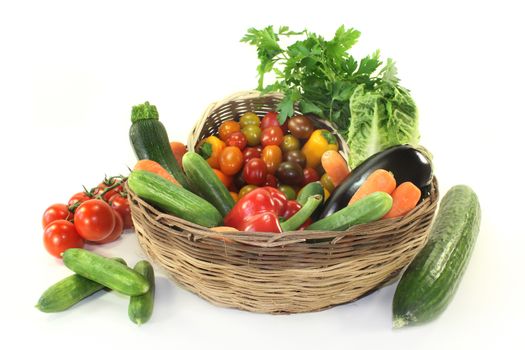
110	193
272	135
61	235
78	197
94	220
120	204
117	230
56	212
230	160
237	139
255	172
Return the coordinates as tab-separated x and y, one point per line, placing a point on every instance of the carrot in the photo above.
379	181
405	198
154	167
178	150
335	166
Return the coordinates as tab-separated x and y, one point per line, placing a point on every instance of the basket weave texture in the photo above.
292	272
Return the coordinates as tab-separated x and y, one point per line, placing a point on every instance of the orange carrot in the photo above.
405	198
154	167
335	166
379	181
178	150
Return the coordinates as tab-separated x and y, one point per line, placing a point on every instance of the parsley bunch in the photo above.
319	74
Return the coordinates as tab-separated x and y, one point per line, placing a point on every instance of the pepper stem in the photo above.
303	214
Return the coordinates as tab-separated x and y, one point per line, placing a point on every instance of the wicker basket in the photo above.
278	273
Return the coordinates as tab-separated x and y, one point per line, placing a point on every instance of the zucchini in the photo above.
311	189
141	306
149	140
173	199
105	271
207	183
370	208
432	278
68	292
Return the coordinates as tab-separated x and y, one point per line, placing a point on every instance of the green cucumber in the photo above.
312	189
299	218
173	199
370	208
207	183
141	306
432	278
149	140
105	271
68	292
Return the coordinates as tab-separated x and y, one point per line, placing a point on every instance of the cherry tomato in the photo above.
272	135
310	175
230	160
290	173
238	181
94	220
300	127
227	128
235	196
56	212
288	191
272	157
307	223
292	207
327	183
61	235
110	193
246	189
225	179
249	118
78	197
117	230
237	139
253	134
270	181
270	119
296	156
254	172
290	143
120	204
250	153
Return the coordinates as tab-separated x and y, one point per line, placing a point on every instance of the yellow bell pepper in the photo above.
210	149
319	142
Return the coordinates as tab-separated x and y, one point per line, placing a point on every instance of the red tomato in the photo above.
254	172
250	153
272	157
102	187
230	160
307	223
270	119
272	135
227	128
310	175
56	212
78	197
120	204
94	220
117	230
61	235
270	181
237	139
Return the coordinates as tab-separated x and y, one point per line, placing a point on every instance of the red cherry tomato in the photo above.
61	235
117	230
94	220
254	172
102	187
270	119
310	175
121	205
250	153
272	135
56	212
78	197
270	181
237	139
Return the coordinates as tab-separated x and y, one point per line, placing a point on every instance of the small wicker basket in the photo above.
278	273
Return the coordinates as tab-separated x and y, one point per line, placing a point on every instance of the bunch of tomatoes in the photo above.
255	152
97	216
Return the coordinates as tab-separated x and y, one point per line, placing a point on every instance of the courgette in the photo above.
141	306
311	189
173	199
207	183
432	278
68	292
149	140
368	209
105	271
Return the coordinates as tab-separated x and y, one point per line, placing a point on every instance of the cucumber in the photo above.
312	189
370	208
68	292
173	199
432	278
141	306
149	140
105	271
207	183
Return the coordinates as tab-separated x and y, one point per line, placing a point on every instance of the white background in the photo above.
69	74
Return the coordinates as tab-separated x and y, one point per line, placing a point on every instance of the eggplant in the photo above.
404	161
